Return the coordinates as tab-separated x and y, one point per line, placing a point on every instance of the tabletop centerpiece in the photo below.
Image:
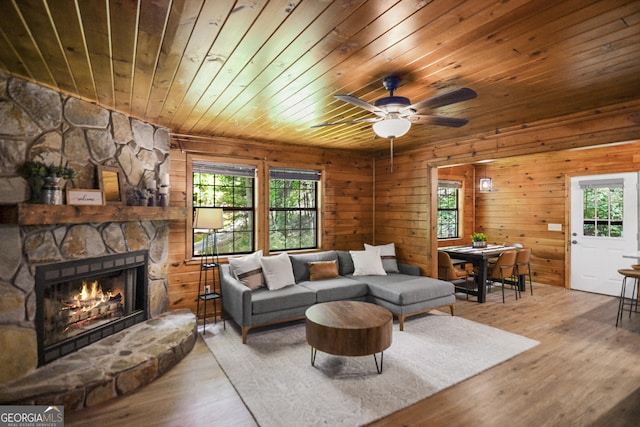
479	240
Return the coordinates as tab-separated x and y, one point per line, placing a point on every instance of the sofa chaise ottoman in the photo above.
252	299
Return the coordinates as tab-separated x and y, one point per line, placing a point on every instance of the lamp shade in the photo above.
485	185
208	219
392	127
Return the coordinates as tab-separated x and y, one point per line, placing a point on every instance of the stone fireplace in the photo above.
39	124
80	302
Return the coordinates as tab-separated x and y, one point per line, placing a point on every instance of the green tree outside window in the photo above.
230	187
603	211
448	213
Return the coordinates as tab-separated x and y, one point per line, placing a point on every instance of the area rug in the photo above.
274	377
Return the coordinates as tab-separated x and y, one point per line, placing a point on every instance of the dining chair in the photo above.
523	266
452	273
515	245
503	271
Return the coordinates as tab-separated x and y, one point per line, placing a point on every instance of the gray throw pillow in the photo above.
345	263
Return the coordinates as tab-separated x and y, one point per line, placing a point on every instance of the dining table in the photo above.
479	257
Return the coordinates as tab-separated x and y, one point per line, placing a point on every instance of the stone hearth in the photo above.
114	366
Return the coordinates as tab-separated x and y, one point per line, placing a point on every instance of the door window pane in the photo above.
603	212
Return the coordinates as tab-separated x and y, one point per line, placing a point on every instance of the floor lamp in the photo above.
209	220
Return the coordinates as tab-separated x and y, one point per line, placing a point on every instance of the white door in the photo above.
604	226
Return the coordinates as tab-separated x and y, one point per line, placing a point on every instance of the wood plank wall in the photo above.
366	202
401	200
529	189
346	211
529	193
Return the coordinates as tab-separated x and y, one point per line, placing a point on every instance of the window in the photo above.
293	209
602	207
448	209
230	187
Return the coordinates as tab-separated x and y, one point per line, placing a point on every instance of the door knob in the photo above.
574	241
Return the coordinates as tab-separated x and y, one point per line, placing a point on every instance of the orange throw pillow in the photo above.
319	270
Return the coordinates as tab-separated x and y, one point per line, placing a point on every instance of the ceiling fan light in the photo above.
392	128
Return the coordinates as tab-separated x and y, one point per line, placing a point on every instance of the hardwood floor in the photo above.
585	372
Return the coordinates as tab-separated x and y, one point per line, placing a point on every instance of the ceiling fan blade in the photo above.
454	97
424	119
370	120
359	103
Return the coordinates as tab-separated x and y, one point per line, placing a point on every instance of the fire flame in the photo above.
89	298
91	303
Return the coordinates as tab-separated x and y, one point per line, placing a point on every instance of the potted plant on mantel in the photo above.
479	240
45	181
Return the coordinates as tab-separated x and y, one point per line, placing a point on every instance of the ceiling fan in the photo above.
395	114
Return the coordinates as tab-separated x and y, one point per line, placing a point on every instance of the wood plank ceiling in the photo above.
268	70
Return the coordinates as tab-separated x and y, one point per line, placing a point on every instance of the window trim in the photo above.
299	174
190	159
248	175
261	193
319	201
609	186
459	187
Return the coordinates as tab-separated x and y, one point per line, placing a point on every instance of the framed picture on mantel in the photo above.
111	182
78	196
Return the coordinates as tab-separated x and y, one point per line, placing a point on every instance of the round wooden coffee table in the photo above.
349	328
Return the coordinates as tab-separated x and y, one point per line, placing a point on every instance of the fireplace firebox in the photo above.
82	301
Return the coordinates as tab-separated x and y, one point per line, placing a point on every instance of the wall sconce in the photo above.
485	182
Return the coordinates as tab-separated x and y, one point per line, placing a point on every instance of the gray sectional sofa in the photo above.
403	293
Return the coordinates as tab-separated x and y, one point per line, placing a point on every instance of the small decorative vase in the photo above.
482	244
51	191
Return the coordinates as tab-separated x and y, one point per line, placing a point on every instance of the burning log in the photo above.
79	311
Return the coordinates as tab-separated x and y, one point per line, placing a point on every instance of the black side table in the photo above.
209	294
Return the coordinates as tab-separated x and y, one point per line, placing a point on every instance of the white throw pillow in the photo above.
277	271
367	263
248	270
388	256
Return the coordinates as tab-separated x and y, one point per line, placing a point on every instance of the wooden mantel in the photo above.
38	214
